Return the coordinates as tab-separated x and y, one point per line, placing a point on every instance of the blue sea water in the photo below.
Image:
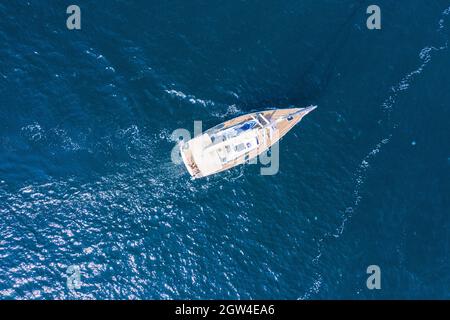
86	177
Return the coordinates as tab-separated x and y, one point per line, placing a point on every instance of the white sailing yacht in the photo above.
238	140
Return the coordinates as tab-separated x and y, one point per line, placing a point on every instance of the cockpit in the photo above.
234	131
235	141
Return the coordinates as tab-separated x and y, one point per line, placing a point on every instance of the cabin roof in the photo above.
207	161
211	157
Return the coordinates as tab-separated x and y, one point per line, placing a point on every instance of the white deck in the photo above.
207	161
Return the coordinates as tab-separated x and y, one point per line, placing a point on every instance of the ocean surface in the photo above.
86	177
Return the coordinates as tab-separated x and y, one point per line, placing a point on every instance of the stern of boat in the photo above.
188	160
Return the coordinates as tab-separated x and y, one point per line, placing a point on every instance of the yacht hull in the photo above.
238	140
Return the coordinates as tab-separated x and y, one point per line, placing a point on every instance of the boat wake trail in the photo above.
425	56
231	109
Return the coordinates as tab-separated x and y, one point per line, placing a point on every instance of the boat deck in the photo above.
275	124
